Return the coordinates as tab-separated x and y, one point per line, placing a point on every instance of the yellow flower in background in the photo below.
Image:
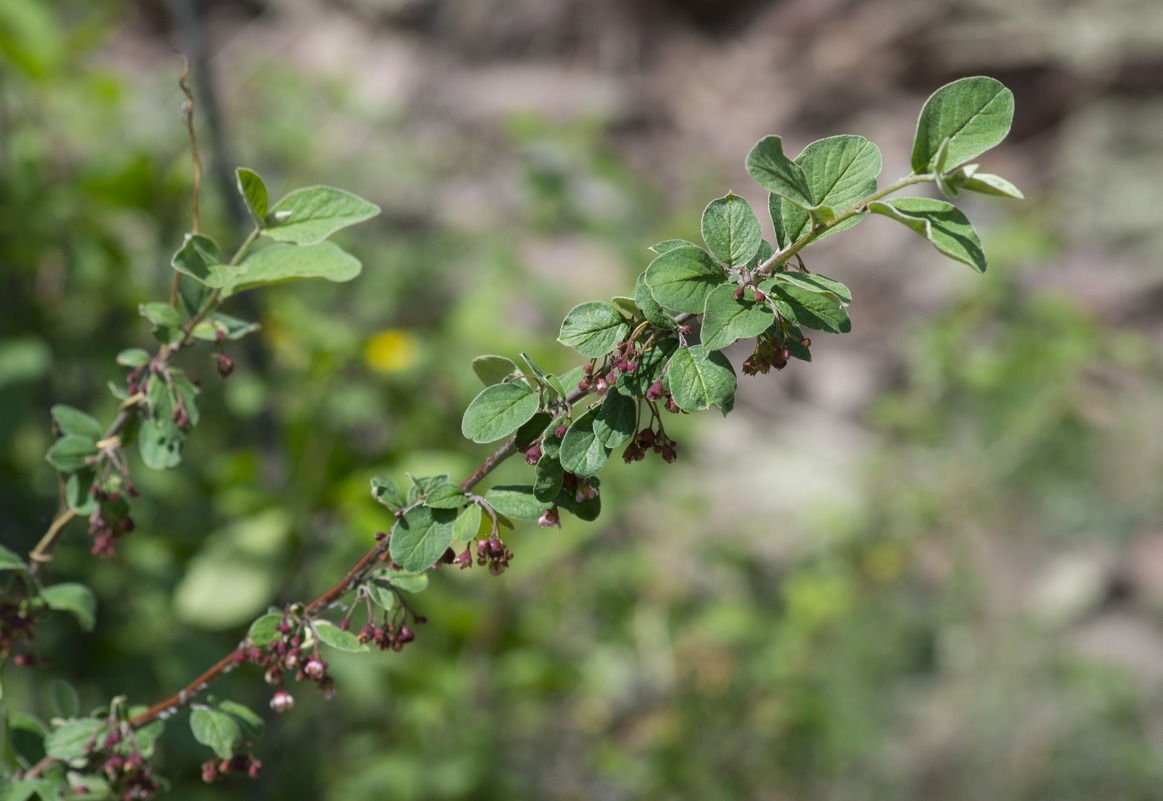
392	350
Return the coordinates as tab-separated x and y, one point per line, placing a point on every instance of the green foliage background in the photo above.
939	590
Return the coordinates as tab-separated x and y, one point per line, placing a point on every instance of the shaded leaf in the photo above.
809	308
582	453
548	479
649	306
776	173
617	419
74	421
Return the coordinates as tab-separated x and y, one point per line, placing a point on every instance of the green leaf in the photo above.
531	431
71	453
974	114
199	258
76	599
132	357
161	438
587	509
64	699
331	635
731	230
446	496
264	630
700	378
650	365
307	216
989	184
407	581
680	279
548	480
498	411
794	342
813	282
839	171
215	729
778	174
617	419
421	537
167	325
649	306
254	192
516	502
78	491
809	308
493	369
386	492
593	328
669	244
625	304
223	326
728	318
250	724
278	263
941	223
582	453
10	561
192	295
467	524
68	741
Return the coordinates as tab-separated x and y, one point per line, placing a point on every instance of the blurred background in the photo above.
928	565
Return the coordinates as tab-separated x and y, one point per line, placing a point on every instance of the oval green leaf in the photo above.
254	192
617	419
335	637
279	263
498	411
215	729
70	741
974	114
582	453
680	279
72	452
74	421
264	630
516	502
307	216
593	328
731	230
778	174
700	378
493	369
728	318
421	537
76	599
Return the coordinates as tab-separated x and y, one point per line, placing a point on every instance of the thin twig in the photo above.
188	118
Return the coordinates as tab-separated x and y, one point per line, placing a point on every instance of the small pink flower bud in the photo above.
282	701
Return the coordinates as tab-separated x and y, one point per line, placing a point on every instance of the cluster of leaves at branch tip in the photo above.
662	349
655	352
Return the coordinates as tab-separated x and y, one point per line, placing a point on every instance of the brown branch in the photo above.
188	118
